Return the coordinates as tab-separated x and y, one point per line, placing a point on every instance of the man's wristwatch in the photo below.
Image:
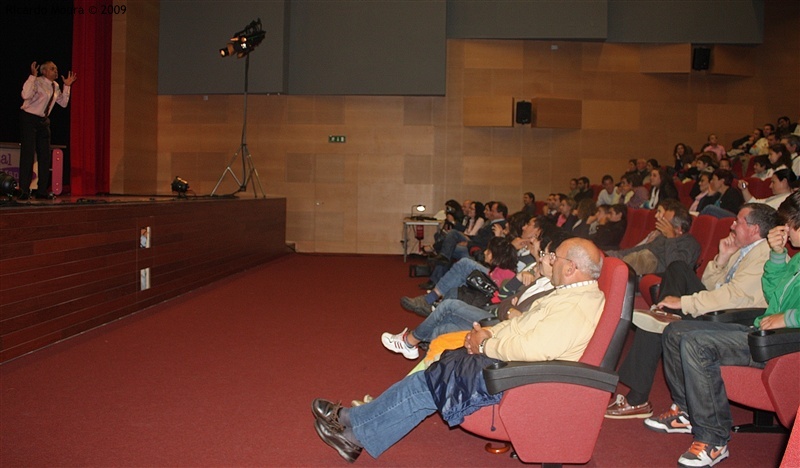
482	345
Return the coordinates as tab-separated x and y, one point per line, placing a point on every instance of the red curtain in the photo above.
90	101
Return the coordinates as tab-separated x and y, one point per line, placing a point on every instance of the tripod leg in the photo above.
227	170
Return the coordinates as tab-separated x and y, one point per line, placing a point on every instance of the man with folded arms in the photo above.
558	326
731	280
695	350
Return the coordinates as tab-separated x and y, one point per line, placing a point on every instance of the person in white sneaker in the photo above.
454	315
559	326
731	280
695	350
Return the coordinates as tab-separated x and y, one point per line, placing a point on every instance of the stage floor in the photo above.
64	200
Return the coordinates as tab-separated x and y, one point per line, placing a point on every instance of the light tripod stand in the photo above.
249	172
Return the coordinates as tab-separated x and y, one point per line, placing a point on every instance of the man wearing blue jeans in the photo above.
695	350
559	327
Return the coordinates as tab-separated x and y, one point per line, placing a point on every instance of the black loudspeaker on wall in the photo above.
523	112
701	58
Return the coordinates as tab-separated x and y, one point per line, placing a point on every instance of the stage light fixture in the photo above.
8	185
243	42
181	186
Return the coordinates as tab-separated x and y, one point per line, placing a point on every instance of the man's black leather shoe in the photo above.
44	196
325	409
335	439
24	196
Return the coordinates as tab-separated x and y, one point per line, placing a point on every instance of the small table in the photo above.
413	222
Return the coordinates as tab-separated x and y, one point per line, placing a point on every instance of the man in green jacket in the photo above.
695	350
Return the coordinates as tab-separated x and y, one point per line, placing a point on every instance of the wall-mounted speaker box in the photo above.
701	58
523	112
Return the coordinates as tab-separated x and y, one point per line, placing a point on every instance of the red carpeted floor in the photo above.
225	376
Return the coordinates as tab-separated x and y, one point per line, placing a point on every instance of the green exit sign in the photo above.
336	138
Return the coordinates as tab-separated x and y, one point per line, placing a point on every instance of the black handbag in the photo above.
481	282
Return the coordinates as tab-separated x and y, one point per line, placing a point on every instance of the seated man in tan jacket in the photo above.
732	280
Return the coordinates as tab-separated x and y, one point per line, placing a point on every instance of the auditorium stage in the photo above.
74	263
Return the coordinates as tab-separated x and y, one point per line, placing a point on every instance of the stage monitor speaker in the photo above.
701	58
523	112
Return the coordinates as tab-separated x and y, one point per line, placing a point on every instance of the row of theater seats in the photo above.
524	417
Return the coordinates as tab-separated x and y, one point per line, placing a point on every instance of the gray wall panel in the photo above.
367	47
515	19
680	21
191	34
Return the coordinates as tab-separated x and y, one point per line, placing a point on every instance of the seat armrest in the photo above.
740	316
769	344
506	375
489	322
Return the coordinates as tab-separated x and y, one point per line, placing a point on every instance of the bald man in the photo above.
558	326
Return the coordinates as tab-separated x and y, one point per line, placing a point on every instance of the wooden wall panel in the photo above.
724	118
493	54
611	115
488	111
557	113
732	60
66	269
406	150
666	58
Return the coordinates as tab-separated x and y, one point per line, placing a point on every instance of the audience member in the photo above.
630	191
713	146
730	280
684	158
584	190
703	164
558	326
761	146
785	126
730	198
792	143
444	282
566	219
529	203
641	169
610	232
780	157
725	164
694	351
454	315
553	201
573	188
761	167
707	195
745	144
585	213
608	196
669	242
475	218
783	181
456	245
661	188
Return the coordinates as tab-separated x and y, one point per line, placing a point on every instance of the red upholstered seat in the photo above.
774	389
708	231
636	229
540	431
759	188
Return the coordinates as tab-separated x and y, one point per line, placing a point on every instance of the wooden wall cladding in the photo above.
488	111
666	58
67	269
732	60
557	113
